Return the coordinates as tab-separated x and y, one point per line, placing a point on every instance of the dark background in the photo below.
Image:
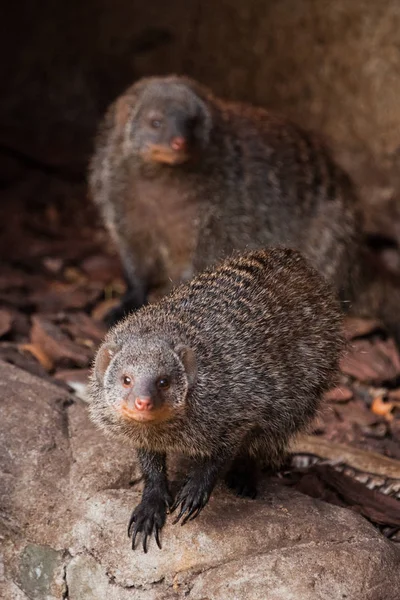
334	66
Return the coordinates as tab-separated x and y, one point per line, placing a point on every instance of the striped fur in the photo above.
266	333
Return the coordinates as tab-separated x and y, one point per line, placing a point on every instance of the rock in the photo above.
76	379
87	580
255	576
91	451
67	497
9	590
41	572
35	454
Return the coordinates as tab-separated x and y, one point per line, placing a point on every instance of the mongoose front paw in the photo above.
192	498
147	517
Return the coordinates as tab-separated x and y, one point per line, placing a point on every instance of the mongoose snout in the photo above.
178	143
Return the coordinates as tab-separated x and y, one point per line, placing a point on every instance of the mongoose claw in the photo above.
148	517
192	498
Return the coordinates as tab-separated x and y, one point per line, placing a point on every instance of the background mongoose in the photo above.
183	178
226	369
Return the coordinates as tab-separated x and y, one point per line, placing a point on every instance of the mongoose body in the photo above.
226	369
183	179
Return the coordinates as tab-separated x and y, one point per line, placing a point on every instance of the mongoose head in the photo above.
171	123
145	382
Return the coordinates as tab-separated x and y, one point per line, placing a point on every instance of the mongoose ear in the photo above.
121	111
102	360
188	359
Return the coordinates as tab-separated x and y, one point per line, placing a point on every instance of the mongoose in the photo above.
226	369
182	178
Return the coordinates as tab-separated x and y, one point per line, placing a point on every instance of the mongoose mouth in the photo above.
164	154
145	417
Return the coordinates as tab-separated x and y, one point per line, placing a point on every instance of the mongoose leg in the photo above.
149	516
134	297
196	491
242	476
129	303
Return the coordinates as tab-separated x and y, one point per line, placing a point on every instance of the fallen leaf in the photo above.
100	310
355	327
61	296
80	326
101	268
372	362
394	395
340	393
6	321
56	345
13	354
39	354
381	408
325	483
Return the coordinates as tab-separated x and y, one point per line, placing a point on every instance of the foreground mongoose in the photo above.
226	369
183	178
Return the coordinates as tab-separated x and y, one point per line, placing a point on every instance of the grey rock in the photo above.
10	591
299	572
67	497
35	453
87	580
41	572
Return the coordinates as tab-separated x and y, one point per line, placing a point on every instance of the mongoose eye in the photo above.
163	383
126	381
156	123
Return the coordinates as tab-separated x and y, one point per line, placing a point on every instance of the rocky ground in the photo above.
326	527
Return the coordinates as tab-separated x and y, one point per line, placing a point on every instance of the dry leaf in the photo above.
39	354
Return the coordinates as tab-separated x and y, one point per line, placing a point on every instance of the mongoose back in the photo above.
182	178
226	369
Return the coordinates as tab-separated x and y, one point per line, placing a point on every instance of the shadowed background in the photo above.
334	66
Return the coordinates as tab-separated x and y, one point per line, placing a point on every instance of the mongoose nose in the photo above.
143	404
178	143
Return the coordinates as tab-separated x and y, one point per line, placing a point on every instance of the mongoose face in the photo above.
145	383
170	125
